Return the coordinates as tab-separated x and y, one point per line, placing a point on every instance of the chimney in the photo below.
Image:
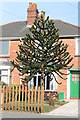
32	14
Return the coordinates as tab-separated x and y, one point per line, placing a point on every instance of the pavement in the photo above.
69	110
10	114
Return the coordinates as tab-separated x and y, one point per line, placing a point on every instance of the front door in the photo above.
75	84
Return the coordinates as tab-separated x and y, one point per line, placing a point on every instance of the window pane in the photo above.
4	47
39	80
34	81
48	82
75	77
4	72
4	79
52	86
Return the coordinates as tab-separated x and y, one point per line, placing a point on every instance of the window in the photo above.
75	77
4	47
4	75
77	46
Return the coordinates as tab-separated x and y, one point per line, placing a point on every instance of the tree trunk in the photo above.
42	77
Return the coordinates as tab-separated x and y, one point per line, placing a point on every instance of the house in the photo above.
11	35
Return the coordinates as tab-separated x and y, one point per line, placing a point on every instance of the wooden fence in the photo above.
21	98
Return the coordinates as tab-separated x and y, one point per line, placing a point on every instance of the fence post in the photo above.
35	100
12	97
3	98
42	99
22	96
32	100
28	98
9	96
38	99
19	99
25	97
0	97
16	99
6	97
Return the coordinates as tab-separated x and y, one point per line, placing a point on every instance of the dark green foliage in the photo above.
42	52
2	84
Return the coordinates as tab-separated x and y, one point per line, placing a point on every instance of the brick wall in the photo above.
32	13
75	61
13	48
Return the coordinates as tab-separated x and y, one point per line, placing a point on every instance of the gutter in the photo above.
76	36
20	38
10	38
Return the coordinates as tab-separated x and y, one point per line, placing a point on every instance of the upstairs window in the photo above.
4	47
77	46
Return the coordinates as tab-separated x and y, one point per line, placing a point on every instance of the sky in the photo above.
17	11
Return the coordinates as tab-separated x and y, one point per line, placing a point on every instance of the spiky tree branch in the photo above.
42	51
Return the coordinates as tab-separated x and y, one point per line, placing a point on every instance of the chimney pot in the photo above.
35	5
30	4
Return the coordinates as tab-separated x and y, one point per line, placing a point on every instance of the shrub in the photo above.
2	83
52	100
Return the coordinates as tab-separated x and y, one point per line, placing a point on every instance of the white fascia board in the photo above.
15	38
69	36
10	38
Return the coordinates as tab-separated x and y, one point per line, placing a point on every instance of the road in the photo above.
10	114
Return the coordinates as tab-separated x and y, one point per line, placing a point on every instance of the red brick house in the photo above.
11	35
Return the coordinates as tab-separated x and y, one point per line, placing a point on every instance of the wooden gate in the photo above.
21	98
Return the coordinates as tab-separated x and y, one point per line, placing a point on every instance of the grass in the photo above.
47	107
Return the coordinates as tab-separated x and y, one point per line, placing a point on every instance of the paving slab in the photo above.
69	109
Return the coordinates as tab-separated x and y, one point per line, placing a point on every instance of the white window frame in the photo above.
6	68
31	83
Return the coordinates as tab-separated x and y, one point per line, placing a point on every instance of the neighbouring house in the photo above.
11	35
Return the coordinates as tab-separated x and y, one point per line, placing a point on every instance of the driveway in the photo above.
71	109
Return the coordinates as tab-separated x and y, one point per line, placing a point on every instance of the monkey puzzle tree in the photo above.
42	52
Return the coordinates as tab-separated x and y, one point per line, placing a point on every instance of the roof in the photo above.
14	29
19	29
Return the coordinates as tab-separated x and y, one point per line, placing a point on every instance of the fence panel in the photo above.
22	98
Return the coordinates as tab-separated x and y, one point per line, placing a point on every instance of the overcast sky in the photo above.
17	11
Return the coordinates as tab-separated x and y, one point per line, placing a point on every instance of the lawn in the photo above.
47	107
